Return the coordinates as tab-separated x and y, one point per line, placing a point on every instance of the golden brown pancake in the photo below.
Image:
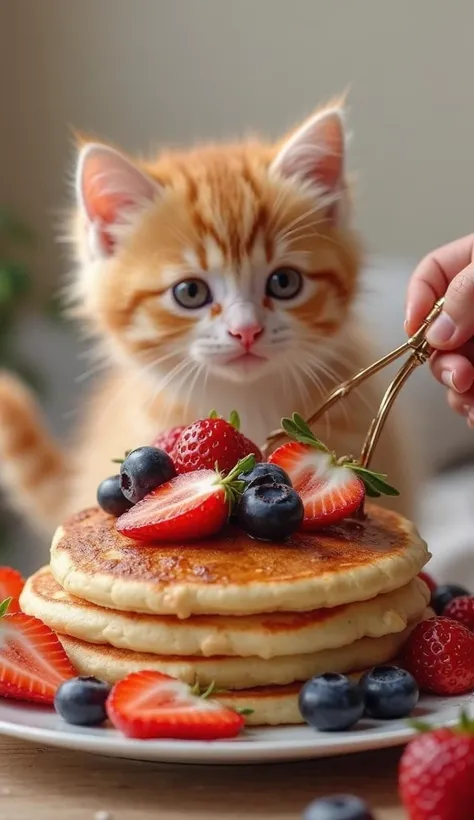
267	636
232	573
112	664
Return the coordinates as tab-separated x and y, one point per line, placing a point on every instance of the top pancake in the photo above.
233	573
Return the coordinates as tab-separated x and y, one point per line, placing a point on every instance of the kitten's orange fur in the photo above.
228	216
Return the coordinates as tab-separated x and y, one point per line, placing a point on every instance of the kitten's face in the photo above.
232	261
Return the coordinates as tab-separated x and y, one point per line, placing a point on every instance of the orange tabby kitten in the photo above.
221	277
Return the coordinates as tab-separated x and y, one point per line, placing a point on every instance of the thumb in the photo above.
455	324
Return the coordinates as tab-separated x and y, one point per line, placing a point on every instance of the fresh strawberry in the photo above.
331	489
436	774
429	581
328	492
250	448
461	610
33	662
167	440
152	705
11	584
210	442
190	506
440	655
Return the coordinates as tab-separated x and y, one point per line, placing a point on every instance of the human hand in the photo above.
448	272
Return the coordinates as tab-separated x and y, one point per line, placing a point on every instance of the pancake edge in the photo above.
111	664
235	636
183	600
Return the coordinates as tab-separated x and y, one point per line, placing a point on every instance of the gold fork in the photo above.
420	351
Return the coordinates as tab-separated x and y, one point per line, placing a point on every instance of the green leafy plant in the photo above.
16	240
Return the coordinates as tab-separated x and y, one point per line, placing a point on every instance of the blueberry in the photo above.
339	807
270	512
111	498
81	701
143	470
389	692
442	595
331	703
264	473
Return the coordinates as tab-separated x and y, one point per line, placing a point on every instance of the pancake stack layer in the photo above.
256	619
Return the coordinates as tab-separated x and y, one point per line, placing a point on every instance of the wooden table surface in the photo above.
38	783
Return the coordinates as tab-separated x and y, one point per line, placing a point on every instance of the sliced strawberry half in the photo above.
33	663
11	585
328	492
189	507
150	705
331	489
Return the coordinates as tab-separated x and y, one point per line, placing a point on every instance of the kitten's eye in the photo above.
192	294
284	283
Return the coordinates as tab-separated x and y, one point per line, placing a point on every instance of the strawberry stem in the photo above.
212	689
4	606
375	483
121	460
231	483
465	725
234	418
298	430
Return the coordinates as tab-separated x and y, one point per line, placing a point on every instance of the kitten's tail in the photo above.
33	469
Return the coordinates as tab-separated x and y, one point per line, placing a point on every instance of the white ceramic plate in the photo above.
43	727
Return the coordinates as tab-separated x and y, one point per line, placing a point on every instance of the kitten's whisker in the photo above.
280	207
315	208
132	380
192	384
299	230
313	378
167	383
98	367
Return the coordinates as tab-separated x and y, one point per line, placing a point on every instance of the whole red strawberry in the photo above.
440	655
210	442
461	610
436	776
167	440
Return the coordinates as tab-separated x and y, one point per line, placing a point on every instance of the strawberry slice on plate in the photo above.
33	663
150	705
190	506
331	489
11	585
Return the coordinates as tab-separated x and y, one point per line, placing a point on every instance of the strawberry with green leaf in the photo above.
212	441
189	507
331	488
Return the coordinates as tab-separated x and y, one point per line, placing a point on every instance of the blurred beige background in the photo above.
142	72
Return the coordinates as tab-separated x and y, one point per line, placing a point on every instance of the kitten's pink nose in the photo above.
247	334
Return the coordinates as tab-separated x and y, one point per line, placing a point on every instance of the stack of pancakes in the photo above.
255	619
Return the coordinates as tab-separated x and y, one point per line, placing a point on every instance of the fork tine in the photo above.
420	352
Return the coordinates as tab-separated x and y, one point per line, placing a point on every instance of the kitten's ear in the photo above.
111	191
314	155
